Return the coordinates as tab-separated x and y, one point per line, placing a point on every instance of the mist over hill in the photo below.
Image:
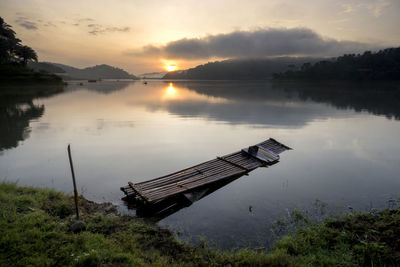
152	75
96	72
241	69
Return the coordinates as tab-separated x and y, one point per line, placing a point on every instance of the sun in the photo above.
171	67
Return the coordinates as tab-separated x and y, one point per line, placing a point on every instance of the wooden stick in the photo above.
74	182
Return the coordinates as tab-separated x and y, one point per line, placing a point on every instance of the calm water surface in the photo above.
345	139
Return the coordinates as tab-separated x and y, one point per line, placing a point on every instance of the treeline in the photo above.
96	72
382	65
239	69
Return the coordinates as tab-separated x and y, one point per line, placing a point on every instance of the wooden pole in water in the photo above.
73	180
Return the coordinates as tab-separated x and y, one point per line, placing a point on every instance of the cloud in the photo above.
96	29
377	7
26	23
85	20
374	7
49	24
347	8
258	43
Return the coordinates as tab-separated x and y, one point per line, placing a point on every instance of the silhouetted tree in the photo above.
11	48
8	42
26	53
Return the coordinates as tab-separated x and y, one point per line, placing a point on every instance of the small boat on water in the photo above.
92	81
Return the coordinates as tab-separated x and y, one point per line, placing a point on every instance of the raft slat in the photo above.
184	183
175	178
195	184
191	180
233	163
237	163
199	176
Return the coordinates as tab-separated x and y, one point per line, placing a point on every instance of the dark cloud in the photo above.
94	25
26	23
49	24
32	24
81	21
259	43
95	28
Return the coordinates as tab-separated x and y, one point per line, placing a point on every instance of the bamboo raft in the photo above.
183	181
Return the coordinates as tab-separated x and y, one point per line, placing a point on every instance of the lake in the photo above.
345	140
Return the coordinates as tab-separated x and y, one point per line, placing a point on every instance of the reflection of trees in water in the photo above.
17	110
14	121
378	98
249	91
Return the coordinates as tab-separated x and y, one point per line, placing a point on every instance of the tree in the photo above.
11	48
26	53
8	42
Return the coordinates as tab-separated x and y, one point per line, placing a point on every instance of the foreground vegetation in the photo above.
35	230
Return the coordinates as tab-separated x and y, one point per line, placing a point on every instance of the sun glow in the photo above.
171	93
171	67
171	90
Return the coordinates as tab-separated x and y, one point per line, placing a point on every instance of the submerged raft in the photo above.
183	181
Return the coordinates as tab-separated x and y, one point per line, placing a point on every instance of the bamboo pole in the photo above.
74	182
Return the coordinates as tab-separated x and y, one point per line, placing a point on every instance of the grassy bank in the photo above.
35	230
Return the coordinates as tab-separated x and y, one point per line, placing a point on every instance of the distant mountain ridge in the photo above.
152	75
380	65
102	71
240	69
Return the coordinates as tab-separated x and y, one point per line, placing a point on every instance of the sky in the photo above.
148	35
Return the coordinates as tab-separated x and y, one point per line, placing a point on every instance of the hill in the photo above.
96	72
382	65
240	69
45	67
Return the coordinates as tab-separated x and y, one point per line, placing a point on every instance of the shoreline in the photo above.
14	73
36	229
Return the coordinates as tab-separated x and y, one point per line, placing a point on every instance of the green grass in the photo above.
355	240
34	231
